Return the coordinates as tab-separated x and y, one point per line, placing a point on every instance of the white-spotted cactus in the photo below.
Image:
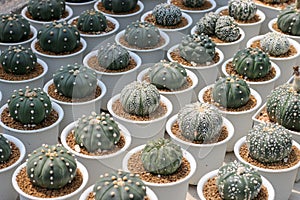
91	21
226	29
288	20
242	9
167	14
275	44
46	10
5	149
193	3
117	6
207	24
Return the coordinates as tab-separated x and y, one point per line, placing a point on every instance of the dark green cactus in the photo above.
237	180
207	24
197	48
242	10
167	75
226	29
120	185
193	3
275	44
5	149
29	106
58	37
46	10
161	156
231	92
269	142
274	1
97	132
167	14
113	57
51	166
289	19
13	28
118	6
140	98
91	21
18	60
251	63
75	81
142	34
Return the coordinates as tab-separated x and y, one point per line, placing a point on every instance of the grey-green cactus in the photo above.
118	6
275	44
242	9
46	10
161	156
193	3
5	149
207	24
200	122
236	181
226	29
167	14
288	20
91	21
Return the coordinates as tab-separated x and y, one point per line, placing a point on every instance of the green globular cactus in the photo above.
5	149
168	75
91	21
113	57
140	98
118	6
251	63
51	166
18	60
13	28
231	92
275	44
242	9
207	24
283	104
119	185
167	14
193	3
226	29
236	181
200	122
46	10
29	106
161	156
198	49
75	81
97	132
269	142
58	37
288	20
142	34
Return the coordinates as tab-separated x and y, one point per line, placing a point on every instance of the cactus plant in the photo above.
242	9
5	149
18	60
289	19
46	10
167	75
142	34
269	142
91	21
200	122
58	37
113	57
274	1
237	180
161	156
75	81
226	29
193	3
283	104
251	63
118	6
119	185
97	132
207	24
51	166
13	28
275	44
29	106
231	92
167	14
197	48
140	98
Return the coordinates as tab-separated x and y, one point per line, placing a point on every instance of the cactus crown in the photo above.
91	21
275	44
5	149
193	3
118	6
120	185
161	156
242	9
167	14
51	166
226	29
207	23
46	10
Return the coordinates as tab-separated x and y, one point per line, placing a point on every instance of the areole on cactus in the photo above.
5	149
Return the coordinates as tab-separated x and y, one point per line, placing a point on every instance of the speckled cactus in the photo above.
237	180
197	49
30	106
200	122
193	3
142	34
283	104
75	81
251	63
207	24
5	149
167	14
269	143
119	185
226	29
242	9
51	166
58	37
161	156
168	75
91	21
140	98
113	57
289	19
18	60
274	1
13	28
46	10
275	44
231	92
97	132
118	6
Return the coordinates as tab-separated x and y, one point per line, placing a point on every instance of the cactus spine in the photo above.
5	149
